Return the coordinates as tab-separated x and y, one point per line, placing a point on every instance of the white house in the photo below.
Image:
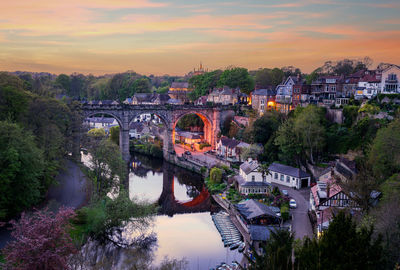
288	176
368	86
250	180
390	80
101	122
138	130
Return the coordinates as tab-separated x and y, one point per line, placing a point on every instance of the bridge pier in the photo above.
168	145
124	139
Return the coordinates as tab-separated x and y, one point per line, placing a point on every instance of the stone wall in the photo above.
334	115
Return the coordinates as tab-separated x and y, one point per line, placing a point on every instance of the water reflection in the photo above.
184	227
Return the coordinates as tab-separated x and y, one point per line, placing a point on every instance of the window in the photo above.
264	178
262	101
392	77
276	175
288	179
253	178
282	177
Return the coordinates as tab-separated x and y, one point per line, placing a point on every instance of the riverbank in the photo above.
72	191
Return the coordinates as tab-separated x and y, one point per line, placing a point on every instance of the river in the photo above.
184	227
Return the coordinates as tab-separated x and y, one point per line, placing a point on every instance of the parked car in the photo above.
292	203
285	192
188	153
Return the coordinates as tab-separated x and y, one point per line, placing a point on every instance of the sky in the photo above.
174	36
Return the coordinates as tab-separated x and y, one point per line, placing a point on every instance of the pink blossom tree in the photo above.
41	241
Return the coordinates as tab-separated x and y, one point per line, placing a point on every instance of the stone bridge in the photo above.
212	116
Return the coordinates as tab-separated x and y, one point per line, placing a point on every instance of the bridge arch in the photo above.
207	120
116	117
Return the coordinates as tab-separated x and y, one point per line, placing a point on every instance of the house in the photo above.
288	176
325	196
201	101
108	102
150	99
250	180
350	83
230	148
252	212
139	130
390	80
263	100
179	91
189	137
284	93
226	147
259	235
101	122
227	96
325	89
368	86
301	93
344	169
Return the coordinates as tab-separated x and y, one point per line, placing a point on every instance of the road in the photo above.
197	155
301	224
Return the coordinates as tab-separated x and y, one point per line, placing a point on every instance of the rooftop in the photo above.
288	170
252	209
249	166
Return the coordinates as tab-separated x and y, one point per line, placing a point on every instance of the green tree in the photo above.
263	78
108	167
252	152
288	143
97	133
142	85
237	77
385	151
264	169
277	76
103	218
114	134
310	127
21	168
203	83
265	126
215	175
342	246
13	103
64	82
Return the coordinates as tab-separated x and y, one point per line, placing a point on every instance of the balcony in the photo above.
283	99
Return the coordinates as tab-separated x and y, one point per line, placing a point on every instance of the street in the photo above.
301	224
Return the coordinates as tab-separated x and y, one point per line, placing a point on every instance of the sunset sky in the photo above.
173	36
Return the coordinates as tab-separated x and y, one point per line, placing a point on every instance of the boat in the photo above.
241	247
235	246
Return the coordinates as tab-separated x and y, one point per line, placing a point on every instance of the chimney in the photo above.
328	189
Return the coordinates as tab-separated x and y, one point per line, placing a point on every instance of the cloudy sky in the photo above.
173	36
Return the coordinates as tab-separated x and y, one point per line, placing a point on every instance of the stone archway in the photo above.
207	129
168	147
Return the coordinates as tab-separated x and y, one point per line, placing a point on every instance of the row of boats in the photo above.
228	231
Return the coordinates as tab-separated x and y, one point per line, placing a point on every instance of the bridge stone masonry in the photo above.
213	117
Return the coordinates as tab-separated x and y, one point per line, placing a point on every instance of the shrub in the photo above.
285	212
202	145
215	175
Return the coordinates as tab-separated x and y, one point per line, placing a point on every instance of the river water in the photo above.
184	227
